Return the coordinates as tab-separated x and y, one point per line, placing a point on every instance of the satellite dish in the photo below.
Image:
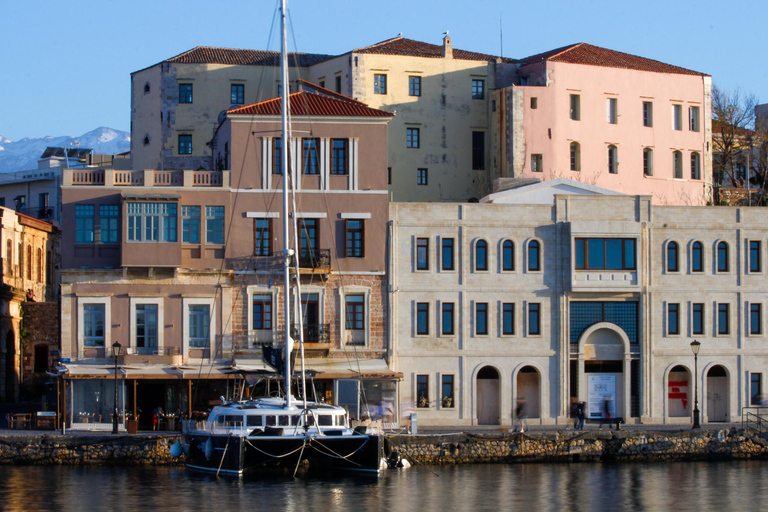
222	116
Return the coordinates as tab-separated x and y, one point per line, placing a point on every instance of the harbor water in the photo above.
734	485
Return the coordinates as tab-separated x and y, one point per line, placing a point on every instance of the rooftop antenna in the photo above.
501	37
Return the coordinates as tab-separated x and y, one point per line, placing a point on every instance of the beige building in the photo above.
577	295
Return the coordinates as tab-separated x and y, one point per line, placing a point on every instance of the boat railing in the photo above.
755	418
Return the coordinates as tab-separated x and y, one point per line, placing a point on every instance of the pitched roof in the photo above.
590	55
314	102
233	56
402	46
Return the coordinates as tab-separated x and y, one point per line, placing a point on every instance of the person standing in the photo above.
521	423
580	412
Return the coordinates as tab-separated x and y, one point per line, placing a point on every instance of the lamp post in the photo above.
115	352
695	345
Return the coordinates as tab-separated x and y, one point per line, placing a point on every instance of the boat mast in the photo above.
287	252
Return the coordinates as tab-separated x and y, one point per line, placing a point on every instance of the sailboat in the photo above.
281	433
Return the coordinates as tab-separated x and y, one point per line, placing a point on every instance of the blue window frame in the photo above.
448	318
508	318
185	144
481	255
481	318
605	254
422	254
83	224
262	237
151	222
755	318
673	318
446	254
697	257
672	257
534	255
508	256
754	256
422	318
723	326
697	322
93	325
185	93
309	157
722	257
262	312
534	318
199	325
109	228
379	84
355	238
237	94
277	156
214	225
414	86
339	161
412	137
190	224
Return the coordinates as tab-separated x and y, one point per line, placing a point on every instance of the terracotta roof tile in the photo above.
313	103
241	57
402	46
590	55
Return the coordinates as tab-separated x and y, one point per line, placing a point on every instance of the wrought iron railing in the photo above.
755	418
315	258
313	333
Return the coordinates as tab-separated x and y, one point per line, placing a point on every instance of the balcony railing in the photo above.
315	258
145	178
313	333
153	351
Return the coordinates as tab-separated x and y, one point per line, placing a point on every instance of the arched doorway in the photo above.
717	394
605	378
10	366
529	389
679	392
41	358
488	396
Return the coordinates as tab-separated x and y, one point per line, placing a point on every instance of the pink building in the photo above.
610	119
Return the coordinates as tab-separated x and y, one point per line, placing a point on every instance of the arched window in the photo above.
697	257
722	257
613	159
39	265
534	255
29	262
21	260
677	165
575	156
672	257
648	161
481	255
508	256
9	257
695	166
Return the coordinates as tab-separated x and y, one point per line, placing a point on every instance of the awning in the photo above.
88	371
351	369
144	371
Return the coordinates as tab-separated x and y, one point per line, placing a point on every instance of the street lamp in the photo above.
115	352
695	345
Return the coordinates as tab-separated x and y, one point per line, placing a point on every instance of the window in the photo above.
93	325
478	89
214	224
389	175
575	156
508	256
648	161
446	254
29	262
697	257
534	103
481	318
355	238
20	203
43	202
146	88
237	94
309	156
605	254
309	238
48	269
673	319
145	221
677	165
185	144
672	257
146	325
756	388
199	325
693	119
422	254
39	265
354	312
83	224
412	137
262	237
379	84
448	318
575	107
339	163
422	318
422	391
446	400
190	224
109	229
697	318
414	86
534	318
262	312
478	151
185	93
648	114
722	257
613	159
722	319
755	318
695	166
677	117
9	257
754	256
277	156
421	176
536	163
321	83
612	110
534	256
508	319
481	255
337	81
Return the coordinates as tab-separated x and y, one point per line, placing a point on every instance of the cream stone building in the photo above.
571	293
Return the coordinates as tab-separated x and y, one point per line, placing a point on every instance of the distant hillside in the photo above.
22	155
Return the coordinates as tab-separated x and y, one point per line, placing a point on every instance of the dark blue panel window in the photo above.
481	318
481	255
534	318
585	314
422	318
446	257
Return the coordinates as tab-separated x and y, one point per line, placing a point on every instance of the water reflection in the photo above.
548	487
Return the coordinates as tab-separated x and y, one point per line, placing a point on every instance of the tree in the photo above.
733	117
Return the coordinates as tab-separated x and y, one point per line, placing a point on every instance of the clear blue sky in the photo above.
66	65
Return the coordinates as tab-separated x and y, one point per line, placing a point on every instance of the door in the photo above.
717	394
488	397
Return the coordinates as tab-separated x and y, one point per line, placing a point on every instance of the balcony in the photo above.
317	338
160	355
313	261
145	178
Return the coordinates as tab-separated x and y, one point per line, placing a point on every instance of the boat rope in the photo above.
333	454
274	456
299	460
221	462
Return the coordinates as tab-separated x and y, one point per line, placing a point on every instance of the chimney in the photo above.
447	47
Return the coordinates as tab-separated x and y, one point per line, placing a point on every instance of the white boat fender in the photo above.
176	449
208	449
405	464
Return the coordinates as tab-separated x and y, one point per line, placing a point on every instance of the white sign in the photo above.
601	396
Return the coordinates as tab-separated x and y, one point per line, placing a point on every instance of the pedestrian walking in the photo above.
521	423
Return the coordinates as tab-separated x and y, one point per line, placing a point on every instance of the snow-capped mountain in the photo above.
22	155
